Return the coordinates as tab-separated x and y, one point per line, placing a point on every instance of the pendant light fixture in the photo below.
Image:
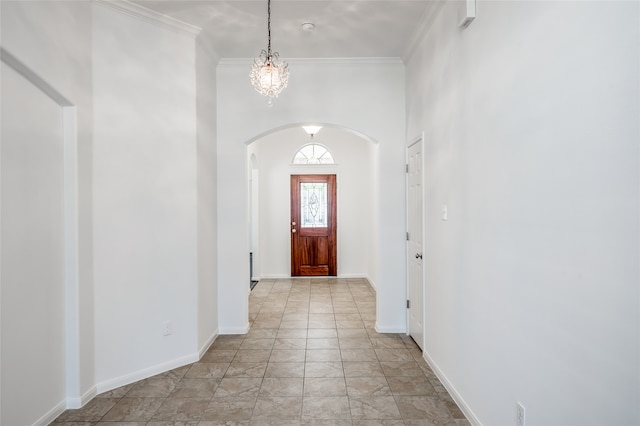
269	75
312	130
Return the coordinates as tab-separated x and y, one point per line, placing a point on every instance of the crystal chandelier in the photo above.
269	75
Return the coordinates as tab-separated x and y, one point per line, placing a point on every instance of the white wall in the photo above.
531	131
51	40
254	211
154	186
32	251
206	61
145	198
365	96
274	155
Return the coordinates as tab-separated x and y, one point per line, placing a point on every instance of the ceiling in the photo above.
343	28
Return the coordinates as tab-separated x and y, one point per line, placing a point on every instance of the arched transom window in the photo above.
313	153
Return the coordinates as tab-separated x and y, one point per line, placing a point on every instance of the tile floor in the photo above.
312	357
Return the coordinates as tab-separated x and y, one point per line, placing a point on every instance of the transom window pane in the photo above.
313	204
313	154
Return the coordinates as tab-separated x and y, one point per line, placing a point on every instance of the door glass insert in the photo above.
313	204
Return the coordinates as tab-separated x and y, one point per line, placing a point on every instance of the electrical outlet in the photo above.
520	414
167	328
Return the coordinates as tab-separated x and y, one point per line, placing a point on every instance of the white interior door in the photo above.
415	304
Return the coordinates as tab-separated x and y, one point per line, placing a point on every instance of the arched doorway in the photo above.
272	156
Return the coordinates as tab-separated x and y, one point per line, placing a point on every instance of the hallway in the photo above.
312	356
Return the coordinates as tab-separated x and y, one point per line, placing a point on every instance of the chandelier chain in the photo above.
269	27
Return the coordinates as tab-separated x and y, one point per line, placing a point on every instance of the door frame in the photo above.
412	142
333	220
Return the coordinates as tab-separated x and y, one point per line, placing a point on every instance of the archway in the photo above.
366	96
270	155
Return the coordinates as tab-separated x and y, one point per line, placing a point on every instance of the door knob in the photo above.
293	230
418	256
293	223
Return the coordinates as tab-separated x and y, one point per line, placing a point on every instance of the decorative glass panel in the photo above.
313	204
313	154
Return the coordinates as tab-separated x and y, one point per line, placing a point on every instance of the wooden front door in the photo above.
313	225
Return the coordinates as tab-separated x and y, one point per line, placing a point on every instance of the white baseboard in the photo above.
469	414
381	329
127	379
287	276
347	276
208	344
82	400
273	276
51	415
73	403
372	283
235	330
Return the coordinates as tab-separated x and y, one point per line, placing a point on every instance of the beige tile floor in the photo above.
312	357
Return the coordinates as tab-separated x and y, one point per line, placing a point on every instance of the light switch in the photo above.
445	212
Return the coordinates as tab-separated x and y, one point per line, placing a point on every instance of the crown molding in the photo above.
144	14
315	61
424	27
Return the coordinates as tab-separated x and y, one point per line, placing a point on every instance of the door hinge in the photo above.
408	304
406	168
407	235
